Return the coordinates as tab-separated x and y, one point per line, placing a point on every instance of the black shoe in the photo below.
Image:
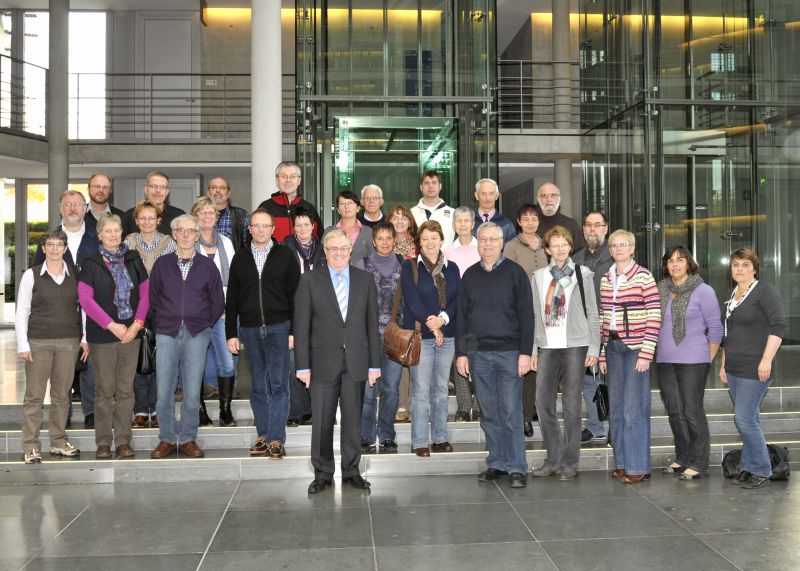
205	420
306	419
88	422
741	478
518	480
586	436
528	430
225	396
317	486
292	422
367	446
491	474
357	482
388	445
756	482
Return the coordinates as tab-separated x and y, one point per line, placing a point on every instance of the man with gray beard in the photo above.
548	199
597	258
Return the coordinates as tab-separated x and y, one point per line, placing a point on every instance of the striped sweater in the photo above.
638	310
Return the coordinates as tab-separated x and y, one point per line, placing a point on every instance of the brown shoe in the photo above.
422	452
260	447
125	451
275	450
635	479
140	421
442	447
192	449
163	450
619	473
153	421
103	451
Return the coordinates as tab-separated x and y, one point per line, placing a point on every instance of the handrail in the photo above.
22	109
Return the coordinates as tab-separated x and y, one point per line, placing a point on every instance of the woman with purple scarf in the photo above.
113	291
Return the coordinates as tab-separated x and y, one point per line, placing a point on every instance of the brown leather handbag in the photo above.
402	345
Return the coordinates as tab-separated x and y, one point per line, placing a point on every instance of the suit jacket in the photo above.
321	336
88	246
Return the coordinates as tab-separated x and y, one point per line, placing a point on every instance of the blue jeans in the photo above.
174	354
390	395
747	395
429	392
267	350
629	401
145	394
593	423
219	361
499	390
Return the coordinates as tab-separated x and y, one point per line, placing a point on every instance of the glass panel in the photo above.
5	69
35	46
87	80
8	248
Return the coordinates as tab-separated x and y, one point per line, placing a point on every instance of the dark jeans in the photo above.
682	390
299	397
145	393
529	397
566	365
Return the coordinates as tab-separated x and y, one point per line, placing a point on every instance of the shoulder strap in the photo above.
579	275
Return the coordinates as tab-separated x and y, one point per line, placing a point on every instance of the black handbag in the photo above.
601	398
147	353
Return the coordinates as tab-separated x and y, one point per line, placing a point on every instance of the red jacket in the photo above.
280	209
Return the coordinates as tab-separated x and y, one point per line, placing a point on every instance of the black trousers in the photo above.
325	397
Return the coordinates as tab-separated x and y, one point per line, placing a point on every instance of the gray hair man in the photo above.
486	193
548	199
371	203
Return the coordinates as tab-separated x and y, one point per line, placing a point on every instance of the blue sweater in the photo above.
197	303
422	300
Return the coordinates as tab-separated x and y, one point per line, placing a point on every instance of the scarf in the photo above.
404	245
555	309
680	303
122	280
733	303
437	273
306	252
216	242
144	246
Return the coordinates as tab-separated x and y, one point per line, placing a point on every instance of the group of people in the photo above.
524	310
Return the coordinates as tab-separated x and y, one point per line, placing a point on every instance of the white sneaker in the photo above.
33	456
67	450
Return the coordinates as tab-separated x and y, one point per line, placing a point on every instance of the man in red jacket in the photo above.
282	204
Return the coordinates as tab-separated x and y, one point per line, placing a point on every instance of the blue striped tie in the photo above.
341	294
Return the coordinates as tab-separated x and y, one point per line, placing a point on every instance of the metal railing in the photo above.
159	107
23	105
526	94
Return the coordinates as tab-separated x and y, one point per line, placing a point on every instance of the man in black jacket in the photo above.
100	189
261	287
233	221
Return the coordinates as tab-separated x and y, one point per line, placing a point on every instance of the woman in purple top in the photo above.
691	331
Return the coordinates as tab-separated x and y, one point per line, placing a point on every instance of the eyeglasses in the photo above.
489	240
597	225
185	231
338	250
261	226
58	244
100	187
217	188
288	176
146	219
207	213
549	195
371	198
619	246
159	187
74	204
398	219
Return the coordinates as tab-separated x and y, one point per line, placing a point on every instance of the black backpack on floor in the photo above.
778	457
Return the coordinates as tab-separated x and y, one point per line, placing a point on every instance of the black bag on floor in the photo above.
778	457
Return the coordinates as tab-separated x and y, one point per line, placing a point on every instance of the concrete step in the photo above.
235	464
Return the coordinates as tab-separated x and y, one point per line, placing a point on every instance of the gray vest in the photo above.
55	313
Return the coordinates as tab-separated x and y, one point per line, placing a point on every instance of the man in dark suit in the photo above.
336	315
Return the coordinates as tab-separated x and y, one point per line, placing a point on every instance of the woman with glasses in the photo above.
754	325
220	367
631	318
151	245
430	293
360	235
50	337
690	335
113	290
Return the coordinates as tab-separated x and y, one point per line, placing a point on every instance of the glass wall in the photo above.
409	66
690	113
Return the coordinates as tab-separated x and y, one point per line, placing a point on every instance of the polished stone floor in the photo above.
412	523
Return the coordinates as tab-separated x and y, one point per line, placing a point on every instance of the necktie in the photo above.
485	217
341	294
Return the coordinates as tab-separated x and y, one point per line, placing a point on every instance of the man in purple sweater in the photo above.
187	300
